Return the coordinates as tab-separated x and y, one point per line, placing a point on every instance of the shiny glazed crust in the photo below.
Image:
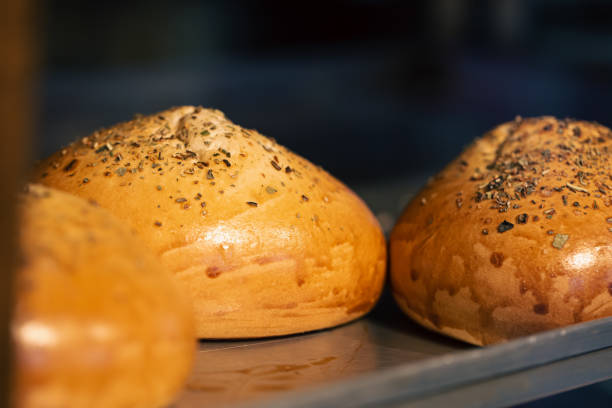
97	323
513	237
263	242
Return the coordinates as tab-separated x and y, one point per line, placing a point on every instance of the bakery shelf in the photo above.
386	360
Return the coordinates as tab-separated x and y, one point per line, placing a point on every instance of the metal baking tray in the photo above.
386	360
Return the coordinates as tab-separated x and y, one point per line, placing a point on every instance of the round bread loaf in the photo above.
97	322
264	242
513	237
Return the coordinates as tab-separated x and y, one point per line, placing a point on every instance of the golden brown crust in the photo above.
513	237
264	242
97	322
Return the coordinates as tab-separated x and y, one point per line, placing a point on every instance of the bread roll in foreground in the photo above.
262	241
97	323
513	237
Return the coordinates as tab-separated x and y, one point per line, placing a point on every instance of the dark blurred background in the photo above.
380	93
368	89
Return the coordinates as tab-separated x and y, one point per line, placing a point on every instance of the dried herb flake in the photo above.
70	166
504	226
560	240
522	218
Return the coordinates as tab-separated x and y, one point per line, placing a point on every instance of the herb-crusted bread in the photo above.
262	241
512	237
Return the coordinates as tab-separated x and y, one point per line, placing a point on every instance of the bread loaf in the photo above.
263	242
513	237
97	323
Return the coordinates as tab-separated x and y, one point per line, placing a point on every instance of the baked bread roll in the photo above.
262	241
97	323
513	237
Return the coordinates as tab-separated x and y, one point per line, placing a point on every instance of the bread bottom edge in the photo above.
271	324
